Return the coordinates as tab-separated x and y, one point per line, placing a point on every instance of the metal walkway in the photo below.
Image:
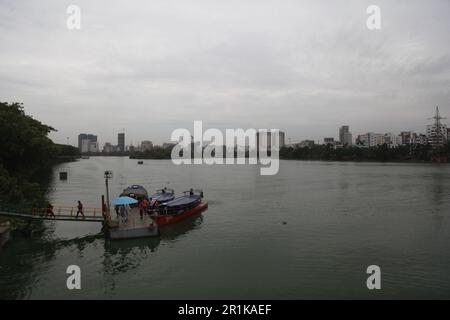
60	214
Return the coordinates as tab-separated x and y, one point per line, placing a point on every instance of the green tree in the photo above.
26	157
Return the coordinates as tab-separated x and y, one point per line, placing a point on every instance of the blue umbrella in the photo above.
120	201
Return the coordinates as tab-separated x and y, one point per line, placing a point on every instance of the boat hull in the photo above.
162	220
133	233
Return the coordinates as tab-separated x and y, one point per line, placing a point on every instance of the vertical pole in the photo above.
107	193
103	208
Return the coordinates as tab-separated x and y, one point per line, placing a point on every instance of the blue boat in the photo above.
163	195
185	202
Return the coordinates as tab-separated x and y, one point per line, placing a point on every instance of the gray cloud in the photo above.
305	67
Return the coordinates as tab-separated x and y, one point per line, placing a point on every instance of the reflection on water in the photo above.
124	255
118	257
28	255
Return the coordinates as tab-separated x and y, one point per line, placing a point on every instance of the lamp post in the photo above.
108	175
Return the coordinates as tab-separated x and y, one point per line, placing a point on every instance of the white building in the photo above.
420	139
436	137
89	146
392	140
371	139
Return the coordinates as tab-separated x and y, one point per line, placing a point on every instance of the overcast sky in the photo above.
305	67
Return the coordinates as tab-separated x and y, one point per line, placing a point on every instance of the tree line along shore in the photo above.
381	153
27	156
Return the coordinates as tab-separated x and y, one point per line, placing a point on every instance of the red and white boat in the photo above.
180	208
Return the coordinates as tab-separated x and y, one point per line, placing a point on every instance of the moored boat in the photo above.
180	208
162	196
135	191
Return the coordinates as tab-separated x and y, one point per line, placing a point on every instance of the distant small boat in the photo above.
84	157
140	162
180	208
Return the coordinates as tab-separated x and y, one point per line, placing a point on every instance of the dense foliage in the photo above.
379	153
415	153
26	157
157	152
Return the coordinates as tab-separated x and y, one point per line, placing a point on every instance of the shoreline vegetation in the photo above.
27	156
405	153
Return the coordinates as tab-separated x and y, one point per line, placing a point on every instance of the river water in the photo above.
310	231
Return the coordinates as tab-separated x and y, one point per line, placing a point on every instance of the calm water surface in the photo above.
308	232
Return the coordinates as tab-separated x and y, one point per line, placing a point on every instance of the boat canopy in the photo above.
184	201
162	197
135	191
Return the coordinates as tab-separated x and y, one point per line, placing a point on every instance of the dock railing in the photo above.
69	212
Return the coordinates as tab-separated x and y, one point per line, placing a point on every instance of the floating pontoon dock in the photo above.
117	228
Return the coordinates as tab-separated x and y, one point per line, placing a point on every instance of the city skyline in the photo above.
428	134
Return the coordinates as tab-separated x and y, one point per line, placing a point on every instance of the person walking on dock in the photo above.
80	209
49	211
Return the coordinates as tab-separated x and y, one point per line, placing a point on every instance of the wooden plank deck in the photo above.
133	227
134	220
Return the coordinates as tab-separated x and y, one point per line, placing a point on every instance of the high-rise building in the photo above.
81	137
328	141
370	139
87	143
121	142
345	136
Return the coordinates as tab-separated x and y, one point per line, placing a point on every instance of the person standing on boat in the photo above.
80	209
